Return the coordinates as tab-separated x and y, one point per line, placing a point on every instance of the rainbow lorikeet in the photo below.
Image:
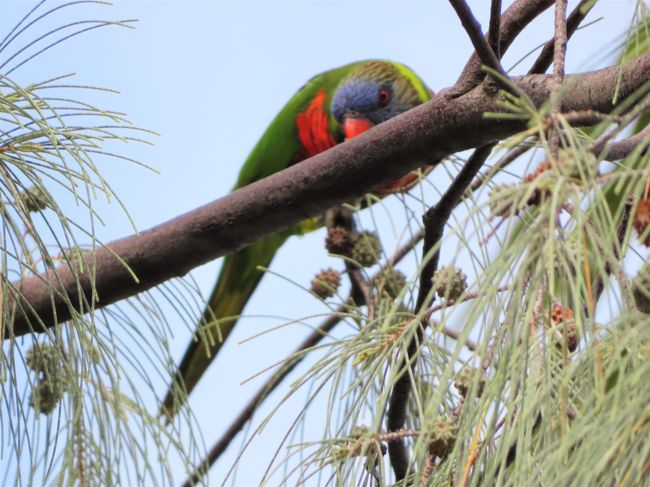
331	107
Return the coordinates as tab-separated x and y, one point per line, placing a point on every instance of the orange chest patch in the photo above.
313	128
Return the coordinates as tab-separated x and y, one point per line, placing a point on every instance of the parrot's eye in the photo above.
383	97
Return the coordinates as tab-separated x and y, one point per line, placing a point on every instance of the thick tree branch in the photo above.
424	135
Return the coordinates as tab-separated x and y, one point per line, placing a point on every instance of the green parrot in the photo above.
331	107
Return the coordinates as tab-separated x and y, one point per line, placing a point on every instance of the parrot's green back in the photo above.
279	147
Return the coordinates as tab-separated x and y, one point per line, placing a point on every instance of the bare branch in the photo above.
559	41
559	57
513	21
576	17
621	149
494	28
473	29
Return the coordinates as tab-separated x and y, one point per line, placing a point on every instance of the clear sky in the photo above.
208	76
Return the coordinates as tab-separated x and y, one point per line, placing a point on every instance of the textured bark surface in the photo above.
425	134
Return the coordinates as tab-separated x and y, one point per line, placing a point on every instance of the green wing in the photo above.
279	145
277	149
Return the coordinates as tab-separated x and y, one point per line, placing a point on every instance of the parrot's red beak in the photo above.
355	126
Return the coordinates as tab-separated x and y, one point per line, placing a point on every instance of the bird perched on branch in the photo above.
331	107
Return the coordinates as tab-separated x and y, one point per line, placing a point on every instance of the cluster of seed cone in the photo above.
363	249
563	327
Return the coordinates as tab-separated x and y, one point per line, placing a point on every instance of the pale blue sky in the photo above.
209	76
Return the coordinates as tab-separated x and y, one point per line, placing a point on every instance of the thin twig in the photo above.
495	27
455	334
582	118
623	148
559	57
406	248
574	20
429	465
467	297
435	220
599	144
473	29
513	21
559	42
512	155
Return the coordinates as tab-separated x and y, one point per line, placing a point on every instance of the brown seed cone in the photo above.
560	314
339	241
325	284
563	327
642	220
538	194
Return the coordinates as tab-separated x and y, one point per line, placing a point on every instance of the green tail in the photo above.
237	281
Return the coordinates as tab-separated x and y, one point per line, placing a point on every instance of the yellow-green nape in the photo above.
423	91
384	69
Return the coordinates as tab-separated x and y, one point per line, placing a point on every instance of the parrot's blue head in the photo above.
374	92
